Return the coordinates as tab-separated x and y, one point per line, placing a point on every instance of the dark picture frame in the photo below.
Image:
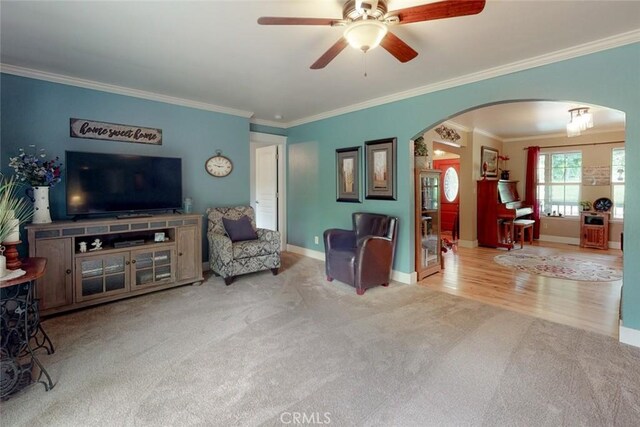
489	155
381	169
348	174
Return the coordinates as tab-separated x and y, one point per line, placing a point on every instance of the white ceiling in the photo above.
214	52
515	120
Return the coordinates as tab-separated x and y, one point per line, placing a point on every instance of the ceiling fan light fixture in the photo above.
366	34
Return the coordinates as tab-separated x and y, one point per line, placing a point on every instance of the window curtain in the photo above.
531	183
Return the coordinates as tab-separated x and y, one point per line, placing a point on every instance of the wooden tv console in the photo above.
76	279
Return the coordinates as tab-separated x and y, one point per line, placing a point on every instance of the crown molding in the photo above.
457	126
537	61
119	90
271	123
488	134
557	56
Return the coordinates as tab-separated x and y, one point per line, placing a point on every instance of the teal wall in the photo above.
610	78
38	112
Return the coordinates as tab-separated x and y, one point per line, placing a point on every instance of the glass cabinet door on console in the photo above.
427	215
153	267
102	275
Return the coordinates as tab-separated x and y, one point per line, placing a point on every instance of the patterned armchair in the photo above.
230	259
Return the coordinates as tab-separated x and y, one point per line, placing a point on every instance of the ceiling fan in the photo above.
367	23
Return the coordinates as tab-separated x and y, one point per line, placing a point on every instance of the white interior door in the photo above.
266	186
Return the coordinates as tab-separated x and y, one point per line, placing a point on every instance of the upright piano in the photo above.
498	206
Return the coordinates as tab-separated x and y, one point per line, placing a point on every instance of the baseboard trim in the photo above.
560	239
396	276
468	243
629	336
406	278
306	252
571	240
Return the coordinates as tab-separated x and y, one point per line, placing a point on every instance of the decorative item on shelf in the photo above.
484	170
187	205
96	245
585	205
420	153
504	172
41	175
602	204
11	254
39	196
14	211
83	247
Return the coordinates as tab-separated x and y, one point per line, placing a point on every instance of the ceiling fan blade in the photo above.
396	47
274	20
439	10
330	54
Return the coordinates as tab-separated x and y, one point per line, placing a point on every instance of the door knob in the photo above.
68	271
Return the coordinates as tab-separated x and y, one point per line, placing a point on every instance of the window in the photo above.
617	181
451	184
559	181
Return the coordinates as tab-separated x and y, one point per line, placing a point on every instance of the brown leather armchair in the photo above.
362	257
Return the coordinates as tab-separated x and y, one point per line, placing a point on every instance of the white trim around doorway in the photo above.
258	139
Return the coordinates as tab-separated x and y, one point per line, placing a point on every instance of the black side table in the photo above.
21	333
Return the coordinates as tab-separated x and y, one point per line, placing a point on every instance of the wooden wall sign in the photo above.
596	175
81	128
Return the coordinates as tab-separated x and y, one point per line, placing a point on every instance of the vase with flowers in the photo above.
504	172
41	174
14	211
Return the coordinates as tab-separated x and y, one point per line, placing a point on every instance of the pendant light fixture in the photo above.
580	120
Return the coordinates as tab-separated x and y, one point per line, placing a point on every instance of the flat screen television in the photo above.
99	183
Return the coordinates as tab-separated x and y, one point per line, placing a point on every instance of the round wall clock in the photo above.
218	165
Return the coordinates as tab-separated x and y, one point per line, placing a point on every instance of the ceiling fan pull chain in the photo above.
364	62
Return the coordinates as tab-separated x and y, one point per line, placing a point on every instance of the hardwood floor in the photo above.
594	306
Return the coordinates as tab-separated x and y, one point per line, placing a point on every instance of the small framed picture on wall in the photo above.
348	174
381	169
488	162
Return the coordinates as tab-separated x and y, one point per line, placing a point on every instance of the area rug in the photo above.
560	267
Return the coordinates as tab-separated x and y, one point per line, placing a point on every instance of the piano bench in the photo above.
521	225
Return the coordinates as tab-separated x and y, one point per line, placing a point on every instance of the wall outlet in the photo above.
316	239
544	225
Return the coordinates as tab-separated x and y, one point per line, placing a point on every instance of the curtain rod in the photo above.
579	145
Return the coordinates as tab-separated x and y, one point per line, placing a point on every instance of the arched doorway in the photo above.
602	175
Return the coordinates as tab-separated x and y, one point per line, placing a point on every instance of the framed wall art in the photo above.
381	169
488	162
348	174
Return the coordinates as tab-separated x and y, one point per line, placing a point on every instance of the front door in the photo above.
266	186
449	193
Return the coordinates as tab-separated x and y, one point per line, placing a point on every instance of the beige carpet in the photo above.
267	348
